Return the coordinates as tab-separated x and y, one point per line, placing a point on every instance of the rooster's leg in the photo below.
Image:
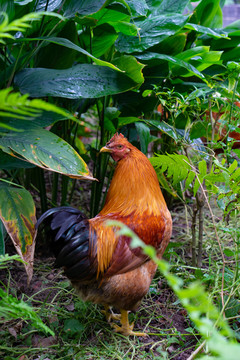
110	315
126	329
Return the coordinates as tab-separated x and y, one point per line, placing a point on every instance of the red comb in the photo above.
115	137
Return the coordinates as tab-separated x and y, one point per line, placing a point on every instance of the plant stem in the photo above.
42	189
194	223
55	188
200	202
65	180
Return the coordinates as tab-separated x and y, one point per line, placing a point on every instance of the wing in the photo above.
68	231
114	253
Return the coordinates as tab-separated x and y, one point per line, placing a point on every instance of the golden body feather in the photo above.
101	265
134	198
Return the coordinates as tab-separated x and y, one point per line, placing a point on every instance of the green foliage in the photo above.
222	180
212	326
101	67
13	105
21	24
12	308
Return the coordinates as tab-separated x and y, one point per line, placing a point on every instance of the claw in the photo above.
110	315
126	328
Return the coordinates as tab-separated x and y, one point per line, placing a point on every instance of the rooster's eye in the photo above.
119	147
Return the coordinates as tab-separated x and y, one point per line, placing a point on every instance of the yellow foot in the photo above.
110	315
127	331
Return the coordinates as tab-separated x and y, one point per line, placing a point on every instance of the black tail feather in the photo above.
68	230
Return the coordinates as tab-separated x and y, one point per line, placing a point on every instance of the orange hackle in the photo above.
132	202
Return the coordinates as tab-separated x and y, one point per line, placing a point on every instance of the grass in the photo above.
81	331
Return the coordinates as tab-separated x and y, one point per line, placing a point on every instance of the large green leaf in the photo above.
80	81
100	41
216	33
67	43
205	12
193	52
170	6
131	67
231	55
173	60
46	150
152	31
163	127
200	57
122	121
138	7
118	20
9	162
104	16
55	56
51	5
82	7
17	212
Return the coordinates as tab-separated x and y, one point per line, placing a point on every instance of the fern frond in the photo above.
177	166
15	105
21	24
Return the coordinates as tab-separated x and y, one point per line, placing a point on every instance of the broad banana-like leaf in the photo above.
216	33
131	66
173	60
79	81
46	150
69	44
152	31
17	212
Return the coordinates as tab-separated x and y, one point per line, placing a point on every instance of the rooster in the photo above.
101	264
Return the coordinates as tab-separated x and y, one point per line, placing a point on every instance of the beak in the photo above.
105	149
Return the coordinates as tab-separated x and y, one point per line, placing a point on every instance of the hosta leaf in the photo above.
69	44
17	212
216	33
163	127
103	37
193	52
138	7
82	7
172	60
104	16
46	150
51	5
80	81
171	6
152	31
144	136
205	12
131	67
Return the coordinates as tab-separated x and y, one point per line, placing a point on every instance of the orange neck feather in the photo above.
134	188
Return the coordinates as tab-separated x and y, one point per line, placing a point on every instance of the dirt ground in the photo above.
169	329
160	315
